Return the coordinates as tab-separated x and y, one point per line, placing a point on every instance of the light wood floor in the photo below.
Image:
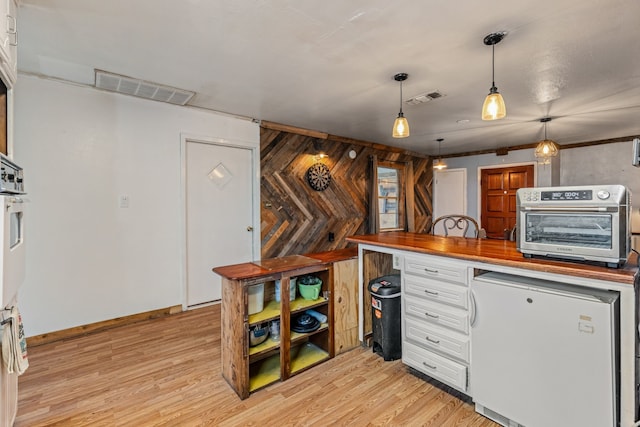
166	372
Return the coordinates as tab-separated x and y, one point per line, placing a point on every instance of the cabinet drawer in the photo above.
435	366
435	290
433	337
438	314
436	269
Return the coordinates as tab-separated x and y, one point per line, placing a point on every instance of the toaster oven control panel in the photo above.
598	195
567	195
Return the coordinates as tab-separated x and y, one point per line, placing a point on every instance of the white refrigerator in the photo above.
543	354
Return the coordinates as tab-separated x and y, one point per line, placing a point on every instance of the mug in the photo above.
309	292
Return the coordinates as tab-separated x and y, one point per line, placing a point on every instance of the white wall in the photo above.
607	164
89	260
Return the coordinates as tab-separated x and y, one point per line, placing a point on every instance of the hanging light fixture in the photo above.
401	125
439	164
493	107
319	150
546	148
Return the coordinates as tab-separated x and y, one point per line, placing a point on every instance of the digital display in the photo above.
567	195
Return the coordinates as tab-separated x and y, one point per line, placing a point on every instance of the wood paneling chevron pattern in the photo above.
295	219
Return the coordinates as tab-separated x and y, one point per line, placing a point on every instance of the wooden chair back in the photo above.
457	225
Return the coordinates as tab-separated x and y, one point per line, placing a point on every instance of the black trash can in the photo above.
385	315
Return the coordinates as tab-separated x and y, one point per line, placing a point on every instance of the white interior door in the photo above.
219	214
449	192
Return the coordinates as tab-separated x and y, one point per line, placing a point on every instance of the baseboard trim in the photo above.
77	331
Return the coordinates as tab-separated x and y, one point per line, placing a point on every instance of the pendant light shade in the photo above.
439	164
546	149
493	107
401	125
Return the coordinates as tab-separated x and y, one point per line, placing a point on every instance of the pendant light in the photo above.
439	164
493	107
546	148
401	125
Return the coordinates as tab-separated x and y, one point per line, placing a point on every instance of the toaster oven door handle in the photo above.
572	209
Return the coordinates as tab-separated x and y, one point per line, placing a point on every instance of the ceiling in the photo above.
329	66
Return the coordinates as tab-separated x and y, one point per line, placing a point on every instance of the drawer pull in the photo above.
434	316
430	366
427	291
431	270
432	340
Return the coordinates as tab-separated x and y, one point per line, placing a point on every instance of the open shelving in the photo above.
264	372
306	356
249	368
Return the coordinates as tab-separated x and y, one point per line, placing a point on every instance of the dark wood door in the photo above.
499	197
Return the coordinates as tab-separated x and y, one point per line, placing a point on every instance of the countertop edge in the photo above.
248	270
623	275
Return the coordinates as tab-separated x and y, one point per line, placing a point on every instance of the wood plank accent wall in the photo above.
295	219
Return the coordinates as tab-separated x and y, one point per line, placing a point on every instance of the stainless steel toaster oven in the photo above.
582	223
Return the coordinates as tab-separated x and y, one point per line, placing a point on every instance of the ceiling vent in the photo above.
140	88
424	97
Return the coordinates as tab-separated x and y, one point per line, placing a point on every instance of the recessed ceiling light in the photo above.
462	121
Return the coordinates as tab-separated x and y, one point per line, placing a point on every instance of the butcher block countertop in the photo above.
498	252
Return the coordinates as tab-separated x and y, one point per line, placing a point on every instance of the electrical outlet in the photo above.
124	201
397	261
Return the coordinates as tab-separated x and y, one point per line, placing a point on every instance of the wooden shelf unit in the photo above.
247	368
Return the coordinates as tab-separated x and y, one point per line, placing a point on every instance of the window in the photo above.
390	196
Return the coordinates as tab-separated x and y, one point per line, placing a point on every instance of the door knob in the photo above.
249	228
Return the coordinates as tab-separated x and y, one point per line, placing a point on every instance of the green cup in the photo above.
310	292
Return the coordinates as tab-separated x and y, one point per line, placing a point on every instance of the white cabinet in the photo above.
441	368
436	268
438	314
8	41
438	339
8	397
436	291
435	319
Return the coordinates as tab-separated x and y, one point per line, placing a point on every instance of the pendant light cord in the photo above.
493	65
401	98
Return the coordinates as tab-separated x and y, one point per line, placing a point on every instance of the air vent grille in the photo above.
424	97
140	88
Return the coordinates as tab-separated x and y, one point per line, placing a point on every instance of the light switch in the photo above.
124	201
